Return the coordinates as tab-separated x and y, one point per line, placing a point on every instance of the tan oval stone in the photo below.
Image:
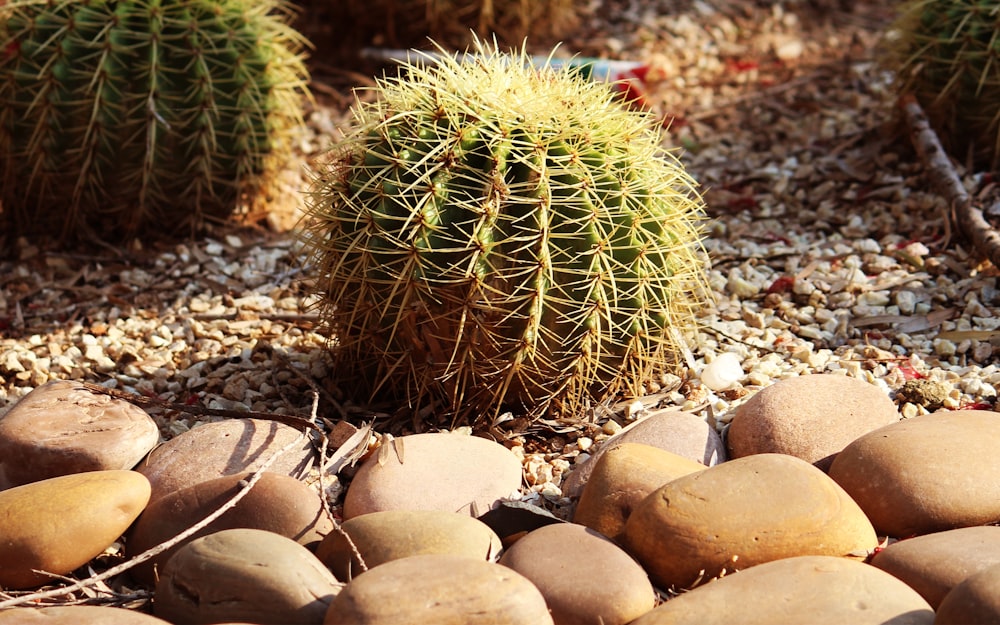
935	563
672	430
812	417
277	503
77	615
585	578
246	575
380	537
221	448
439	589
622	478
818	590
925	474
975	600
61	427
61	523
742	513
438	471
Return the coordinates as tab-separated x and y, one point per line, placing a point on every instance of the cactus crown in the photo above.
493	235
142	115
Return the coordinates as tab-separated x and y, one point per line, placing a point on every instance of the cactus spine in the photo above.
142	115
493	236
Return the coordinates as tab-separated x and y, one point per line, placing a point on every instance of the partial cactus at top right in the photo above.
947	54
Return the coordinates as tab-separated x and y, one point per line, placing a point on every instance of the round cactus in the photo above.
947	54
493	236
130	116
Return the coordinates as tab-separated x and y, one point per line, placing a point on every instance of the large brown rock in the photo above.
625	474
813	590
926	474
935	563
61	523
585	578
439	589
379	537
224	448
61	427
244	575
974	601
812	417
742	513
77	615
438	471
277	503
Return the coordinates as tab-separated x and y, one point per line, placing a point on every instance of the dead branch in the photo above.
943	176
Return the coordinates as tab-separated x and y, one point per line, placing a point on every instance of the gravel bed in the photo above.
829	251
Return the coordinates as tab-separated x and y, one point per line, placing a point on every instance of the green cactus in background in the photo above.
136	116
947	54
493	236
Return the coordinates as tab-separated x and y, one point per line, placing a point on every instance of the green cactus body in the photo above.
134	116
493	236
947	53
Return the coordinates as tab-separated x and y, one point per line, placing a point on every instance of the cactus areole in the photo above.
496	237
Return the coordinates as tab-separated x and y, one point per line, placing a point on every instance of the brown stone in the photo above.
812	417
61	523
223	448
61	428
818	590
975	600
935	563
926	474
585	578
439	589
277	503
624	475
438	471
743	513
77	615
246	575
380	537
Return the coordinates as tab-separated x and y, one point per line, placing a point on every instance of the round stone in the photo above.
222	448
624	475
975	600
818	590
381	537
77	614
62	427
59	524
585	578
276	503
678	432
439	589
926	474
935	563
812	417
437	471
247	575
743	513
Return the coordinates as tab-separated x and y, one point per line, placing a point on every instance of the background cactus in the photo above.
139	115
947	53
494	236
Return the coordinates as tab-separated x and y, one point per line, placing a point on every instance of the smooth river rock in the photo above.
437	471
380	537
61	428
742	513
813	590
222	448
933	564
974	601
277	503
926	474
59	524
624	475
246	575
585	578
439	589
77	615
678	432
812	417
